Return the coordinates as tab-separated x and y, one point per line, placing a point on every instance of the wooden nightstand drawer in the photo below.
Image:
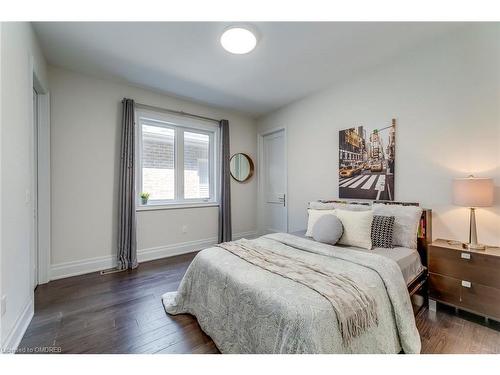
445	289
464	265
465	294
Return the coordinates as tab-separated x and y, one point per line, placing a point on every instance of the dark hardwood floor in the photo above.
123	313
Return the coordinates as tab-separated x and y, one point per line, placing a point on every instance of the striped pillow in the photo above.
382	231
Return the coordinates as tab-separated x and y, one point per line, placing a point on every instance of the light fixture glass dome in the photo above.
238	40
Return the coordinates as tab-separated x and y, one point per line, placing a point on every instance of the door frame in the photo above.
40	184
260	176
34	187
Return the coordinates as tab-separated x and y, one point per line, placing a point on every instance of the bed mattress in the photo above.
407	259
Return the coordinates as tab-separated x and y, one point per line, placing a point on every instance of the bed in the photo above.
416	281
407	259
247	309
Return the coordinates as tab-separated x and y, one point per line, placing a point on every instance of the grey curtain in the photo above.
127	240
225	231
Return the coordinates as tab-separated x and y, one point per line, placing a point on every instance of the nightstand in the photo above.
466	279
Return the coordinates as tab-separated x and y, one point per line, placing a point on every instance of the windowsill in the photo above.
153	207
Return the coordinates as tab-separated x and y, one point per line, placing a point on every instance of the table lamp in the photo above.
473	192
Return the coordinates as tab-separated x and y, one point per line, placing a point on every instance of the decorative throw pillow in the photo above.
327	229
357	228
406	220
382	231
314	215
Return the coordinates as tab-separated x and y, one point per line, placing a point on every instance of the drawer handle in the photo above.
466	284
465	256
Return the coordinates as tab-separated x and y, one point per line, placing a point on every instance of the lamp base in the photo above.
475	246
472	244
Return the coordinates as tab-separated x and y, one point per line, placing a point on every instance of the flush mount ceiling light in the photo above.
238	40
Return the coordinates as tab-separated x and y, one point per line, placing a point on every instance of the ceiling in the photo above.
185	59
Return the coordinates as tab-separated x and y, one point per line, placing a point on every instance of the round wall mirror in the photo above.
241	166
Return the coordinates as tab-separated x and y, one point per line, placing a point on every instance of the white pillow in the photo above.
314	215
357	228
406	221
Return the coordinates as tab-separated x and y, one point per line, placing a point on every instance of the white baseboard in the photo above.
159	252
80	267
247	235
16	334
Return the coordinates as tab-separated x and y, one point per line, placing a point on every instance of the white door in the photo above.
274	200
34	247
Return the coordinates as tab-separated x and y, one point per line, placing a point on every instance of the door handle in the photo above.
281	199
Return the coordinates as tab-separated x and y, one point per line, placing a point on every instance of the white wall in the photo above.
85	139
445	96
19	50
1	123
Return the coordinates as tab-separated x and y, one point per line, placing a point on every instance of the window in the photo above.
177	159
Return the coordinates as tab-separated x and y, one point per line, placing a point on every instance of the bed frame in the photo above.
418	288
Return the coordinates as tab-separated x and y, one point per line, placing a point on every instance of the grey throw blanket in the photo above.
354	308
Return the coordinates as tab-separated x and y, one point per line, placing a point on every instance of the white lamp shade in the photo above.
473	192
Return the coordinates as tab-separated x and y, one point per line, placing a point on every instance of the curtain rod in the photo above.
182	113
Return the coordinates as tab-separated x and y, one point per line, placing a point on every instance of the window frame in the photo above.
180	125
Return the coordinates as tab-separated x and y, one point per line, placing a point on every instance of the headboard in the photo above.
424	233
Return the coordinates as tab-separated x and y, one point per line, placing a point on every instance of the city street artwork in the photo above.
367	161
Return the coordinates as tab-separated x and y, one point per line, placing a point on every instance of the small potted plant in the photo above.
144	198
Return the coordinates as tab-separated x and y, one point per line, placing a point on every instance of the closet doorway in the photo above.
273	182
38	195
